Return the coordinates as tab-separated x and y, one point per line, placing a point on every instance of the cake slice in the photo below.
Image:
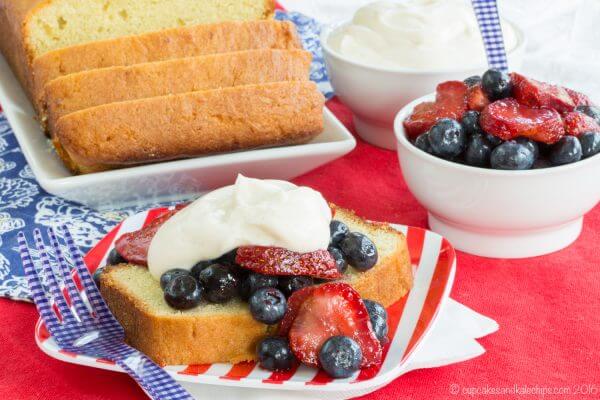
212	333
189	124
159	46
30	28
92	88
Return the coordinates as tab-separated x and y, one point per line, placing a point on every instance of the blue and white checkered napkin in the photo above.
24	205
486	12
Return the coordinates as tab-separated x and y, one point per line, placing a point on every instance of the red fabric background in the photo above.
548	307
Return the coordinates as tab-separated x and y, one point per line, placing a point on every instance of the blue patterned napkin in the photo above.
24	205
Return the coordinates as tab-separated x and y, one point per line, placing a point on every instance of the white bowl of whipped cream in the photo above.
391	53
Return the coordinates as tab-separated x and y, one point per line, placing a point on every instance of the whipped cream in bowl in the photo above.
250	212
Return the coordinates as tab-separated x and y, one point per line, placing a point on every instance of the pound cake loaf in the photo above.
92	88
30	28
215	333
189	124
164	45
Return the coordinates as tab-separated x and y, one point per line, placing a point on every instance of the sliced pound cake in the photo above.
30	28
212	333
92	88
189	124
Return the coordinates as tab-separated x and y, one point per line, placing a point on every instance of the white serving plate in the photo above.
411	319
165	181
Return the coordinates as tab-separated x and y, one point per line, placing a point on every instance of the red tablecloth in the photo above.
548	308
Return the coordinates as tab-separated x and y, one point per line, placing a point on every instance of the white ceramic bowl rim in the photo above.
403	141
328	30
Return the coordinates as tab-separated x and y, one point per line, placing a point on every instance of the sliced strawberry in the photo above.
577	123
449	103
133	246
534	93
578	98
476	98
333	309
508	119
279	261
294	302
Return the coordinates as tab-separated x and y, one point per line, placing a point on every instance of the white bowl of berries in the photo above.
508	173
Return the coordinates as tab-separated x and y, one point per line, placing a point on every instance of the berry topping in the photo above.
476	98
566	151
447	138
512	155
579	99
338	230
294	303
577	123
340	357
359	251
220	283
590	111
183	292
228	258
114	258
279	261
470	123
133	246
170	275
508	120
532	93
530	144
330	310
200	266
472	80
378	316
590	144
478	151
274	354
340	261
422	142
289	284
449	103
255	281
496	84
267	305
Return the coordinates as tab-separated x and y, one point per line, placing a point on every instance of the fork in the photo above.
86	328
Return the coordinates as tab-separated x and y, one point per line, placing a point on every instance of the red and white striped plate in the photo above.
410	319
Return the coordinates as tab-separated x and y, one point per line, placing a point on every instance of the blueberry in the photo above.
340	261
493	140
496	84
472	80
531	145
590	111
274	354
255	281
512	155
422	142
379	318
220	283
340	356
567	150
338	230
228	258
170	274
114	258
590	144
470	123
447	138
199	267
541	163
97	274
289	284
183	292
359	251
267	305
478	151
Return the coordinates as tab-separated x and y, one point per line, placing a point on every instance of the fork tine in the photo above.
55	291
35	285
82	310
87	280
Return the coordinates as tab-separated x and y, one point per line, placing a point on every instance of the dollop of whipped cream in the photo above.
416	34
250	212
